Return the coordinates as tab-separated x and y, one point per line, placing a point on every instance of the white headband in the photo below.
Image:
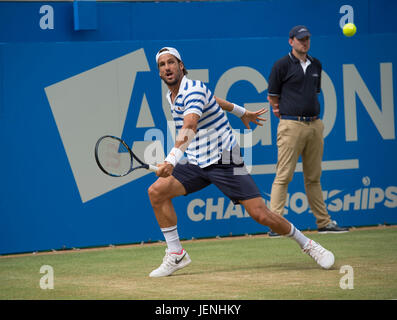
169	50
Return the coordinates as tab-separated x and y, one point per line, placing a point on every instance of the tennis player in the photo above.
213	156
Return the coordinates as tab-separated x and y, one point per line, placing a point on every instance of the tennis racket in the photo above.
115	158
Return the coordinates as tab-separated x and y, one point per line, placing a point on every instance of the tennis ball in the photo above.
349	29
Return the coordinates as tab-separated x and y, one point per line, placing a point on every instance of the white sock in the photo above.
172	239
298	236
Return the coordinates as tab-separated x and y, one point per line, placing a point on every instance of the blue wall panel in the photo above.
42	206
61	89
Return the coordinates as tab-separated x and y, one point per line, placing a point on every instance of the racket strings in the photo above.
114	157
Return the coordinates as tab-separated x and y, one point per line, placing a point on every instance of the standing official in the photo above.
294	83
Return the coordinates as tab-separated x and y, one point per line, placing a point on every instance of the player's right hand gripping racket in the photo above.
115	158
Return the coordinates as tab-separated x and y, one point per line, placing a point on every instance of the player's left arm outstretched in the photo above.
245	115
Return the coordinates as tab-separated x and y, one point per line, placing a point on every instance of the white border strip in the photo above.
326	166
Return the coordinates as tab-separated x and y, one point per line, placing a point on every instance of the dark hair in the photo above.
184	69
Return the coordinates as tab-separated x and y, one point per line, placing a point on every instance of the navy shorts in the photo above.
233	180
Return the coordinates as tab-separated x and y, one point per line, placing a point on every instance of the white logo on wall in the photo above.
361	199
97	99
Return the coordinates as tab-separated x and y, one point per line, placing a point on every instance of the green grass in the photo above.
254	267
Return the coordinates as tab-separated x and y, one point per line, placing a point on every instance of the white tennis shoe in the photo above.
322	256
171	262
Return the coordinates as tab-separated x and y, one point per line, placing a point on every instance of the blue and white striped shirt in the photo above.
214	134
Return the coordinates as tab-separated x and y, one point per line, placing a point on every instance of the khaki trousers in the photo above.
305	139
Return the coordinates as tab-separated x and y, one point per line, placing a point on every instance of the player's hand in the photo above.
253	116
164	170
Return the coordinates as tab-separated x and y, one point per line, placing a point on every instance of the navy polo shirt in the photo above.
297	90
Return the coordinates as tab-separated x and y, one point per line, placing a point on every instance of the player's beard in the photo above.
171	83
174	81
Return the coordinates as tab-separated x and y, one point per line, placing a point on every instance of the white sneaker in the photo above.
323	257
171	263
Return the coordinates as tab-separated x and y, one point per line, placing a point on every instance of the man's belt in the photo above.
299	118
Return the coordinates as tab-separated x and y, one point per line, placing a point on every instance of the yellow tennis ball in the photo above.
349	29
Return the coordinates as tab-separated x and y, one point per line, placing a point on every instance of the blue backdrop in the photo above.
58	95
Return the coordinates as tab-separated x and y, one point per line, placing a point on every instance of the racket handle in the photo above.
152	168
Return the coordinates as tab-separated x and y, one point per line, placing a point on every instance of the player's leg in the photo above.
160	193
185	179
239	186
258	210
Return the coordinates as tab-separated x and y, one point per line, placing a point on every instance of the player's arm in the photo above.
245	115
183	139
187	132
228	106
